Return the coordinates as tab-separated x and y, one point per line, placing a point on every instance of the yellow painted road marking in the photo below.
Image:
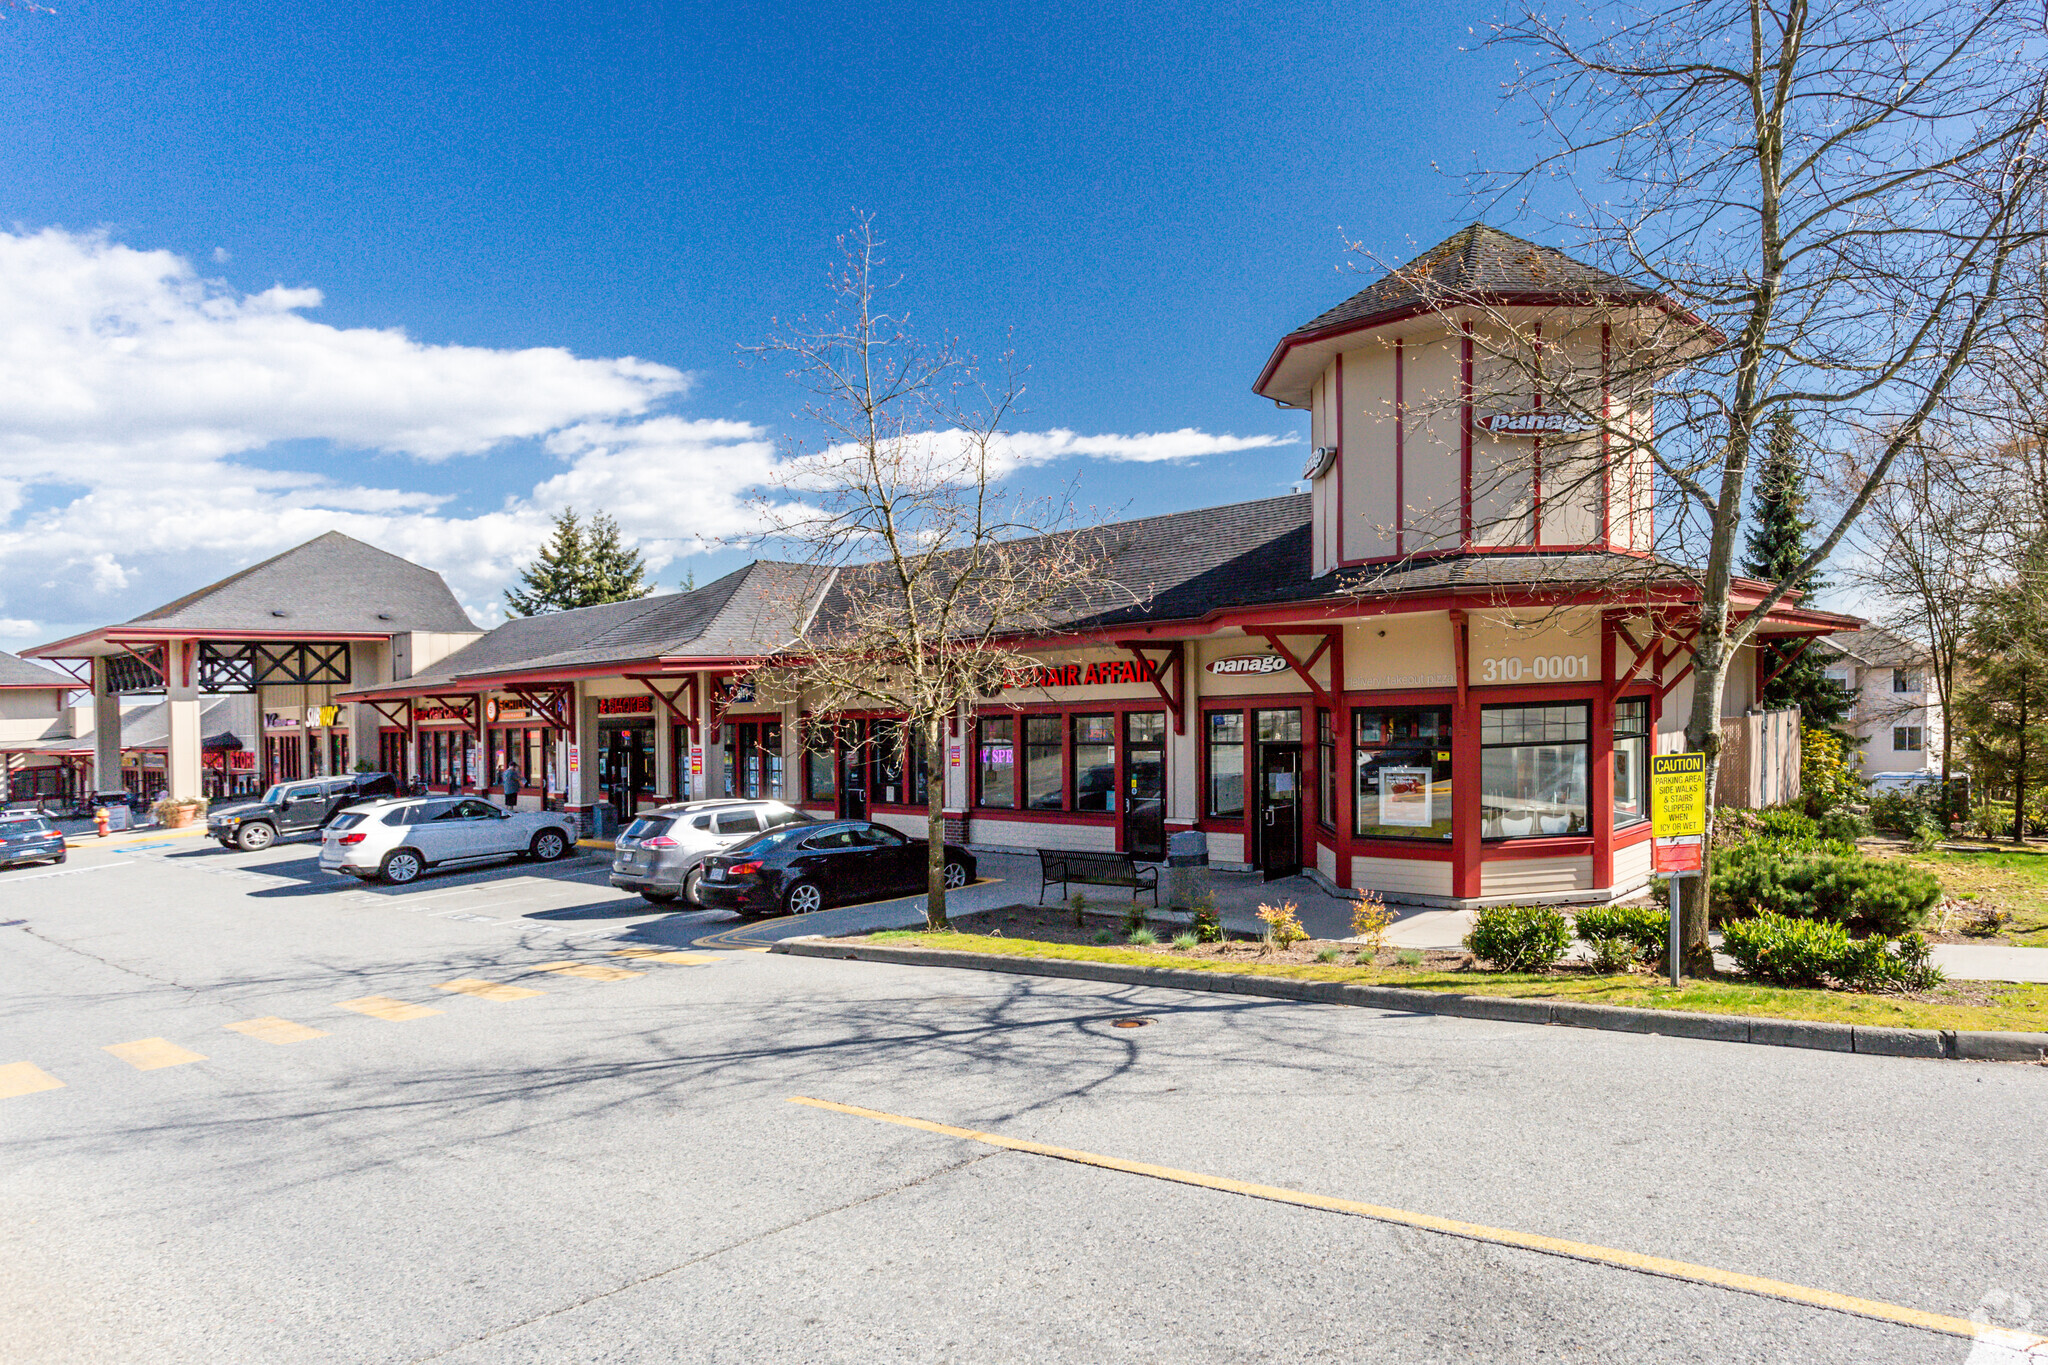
657	955
594	971
1479	1232
487	990
272	1029
25	1078
148	1054
384	1007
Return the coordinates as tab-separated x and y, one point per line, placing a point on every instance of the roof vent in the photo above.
383	616
279	611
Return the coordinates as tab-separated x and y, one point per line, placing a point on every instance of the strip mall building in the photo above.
1385	682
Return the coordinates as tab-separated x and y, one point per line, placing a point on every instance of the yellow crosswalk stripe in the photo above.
148	1054
25	1078
384	1007
657	955
593	971
487	990
271	1029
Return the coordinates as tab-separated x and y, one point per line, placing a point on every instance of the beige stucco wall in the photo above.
1516	648
1415	650
1402	876
1536	876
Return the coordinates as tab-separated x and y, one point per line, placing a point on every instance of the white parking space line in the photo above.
60	872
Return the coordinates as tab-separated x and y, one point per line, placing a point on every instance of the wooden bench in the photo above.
1095	869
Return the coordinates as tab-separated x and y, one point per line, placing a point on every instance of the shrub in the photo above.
1826	781
1208	925
1283	924
1761	877
1370	922
1790	952
1612	956
1843	826
1519	938
1642	927
1104	936
1143	937
1134	919
1903	812
1816	953
1326	955
1184	942
1409	957
1078	903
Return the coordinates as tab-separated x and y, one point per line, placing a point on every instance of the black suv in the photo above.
294	808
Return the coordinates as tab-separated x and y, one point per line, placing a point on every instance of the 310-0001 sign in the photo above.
1542	668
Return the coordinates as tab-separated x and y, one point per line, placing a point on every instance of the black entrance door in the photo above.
628	767
1145	785
1276	812
853	785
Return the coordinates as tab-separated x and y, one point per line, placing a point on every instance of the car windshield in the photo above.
768	842
17	826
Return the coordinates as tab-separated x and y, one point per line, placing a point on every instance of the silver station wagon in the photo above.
399	839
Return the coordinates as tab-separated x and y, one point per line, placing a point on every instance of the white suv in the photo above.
400	838
660	855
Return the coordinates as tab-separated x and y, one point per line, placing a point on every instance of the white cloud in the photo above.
136	397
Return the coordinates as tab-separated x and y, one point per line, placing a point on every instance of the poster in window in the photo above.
1404	797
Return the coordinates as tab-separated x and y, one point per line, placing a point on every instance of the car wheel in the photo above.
549	845
658	897
250	838
955	876
693	886
803	899
62	856
400	866
226	843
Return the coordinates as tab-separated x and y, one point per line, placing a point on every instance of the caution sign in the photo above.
1678	796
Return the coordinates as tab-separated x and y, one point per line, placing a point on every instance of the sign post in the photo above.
1678	827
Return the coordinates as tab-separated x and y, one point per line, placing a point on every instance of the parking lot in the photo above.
512	1114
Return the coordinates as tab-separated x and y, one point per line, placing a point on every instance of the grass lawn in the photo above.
2014	881
1959	1005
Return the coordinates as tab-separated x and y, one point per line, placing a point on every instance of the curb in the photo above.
1962	1045
133	836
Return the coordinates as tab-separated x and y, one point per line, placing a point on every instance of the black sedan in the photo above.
803	868
29	839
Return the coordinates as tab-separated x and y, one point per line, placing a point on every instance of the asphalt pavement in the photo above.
512	1115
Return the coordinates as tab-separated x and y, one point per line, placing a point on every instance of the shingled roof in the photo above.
1478	262
333	584
749	612
16	671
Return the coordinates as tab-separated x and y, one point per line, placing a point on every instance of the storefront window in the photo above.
997	761
904	767
1326	770
1226	765
1095	763
1404	788
1631	761
1044	764
1278	727
1532	770
819	738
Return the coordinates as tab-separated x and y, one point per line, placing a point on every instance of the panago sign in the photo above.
1534	424
1248	665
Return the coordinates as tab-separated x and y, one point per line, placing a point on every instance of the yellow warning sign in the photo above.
1678	795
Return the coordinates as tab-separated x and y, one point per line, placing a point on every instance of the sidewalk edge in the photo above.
1963	1045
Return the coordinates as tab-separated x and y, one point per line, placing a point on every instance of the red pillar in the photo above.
1600	782
1466	850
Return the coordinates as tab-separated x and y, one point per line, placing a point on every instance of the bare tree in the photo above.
926	571
1828	198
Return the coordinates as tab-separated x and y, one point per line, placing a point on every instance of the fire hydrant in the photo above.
100	821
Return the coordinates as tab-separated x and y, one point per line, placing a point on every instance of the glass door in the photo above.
1145	785
858	737
1279	792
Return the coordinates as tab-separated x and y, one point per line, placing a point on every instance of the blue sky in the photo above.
1144	199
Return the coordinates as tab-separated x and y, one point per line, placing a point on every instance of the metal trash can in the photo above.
1185	852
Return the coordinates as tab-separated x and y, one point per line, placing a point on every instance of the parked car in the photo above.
801	868
660	855
294	808
399	838
27	838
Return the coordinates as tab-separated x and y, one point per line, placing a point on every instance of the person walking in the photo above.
512	780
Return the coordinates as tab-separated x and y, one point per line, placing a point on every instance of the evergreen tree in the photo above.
579	566
2003	710
1777	547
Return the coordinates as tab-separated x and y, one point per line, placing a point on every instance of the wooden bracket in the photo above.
686	719
551	702
1302	667
403	719
1789	658
1171	652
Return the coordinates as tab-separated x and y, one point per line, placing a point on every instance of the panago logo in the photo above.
1533	424
1252	664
